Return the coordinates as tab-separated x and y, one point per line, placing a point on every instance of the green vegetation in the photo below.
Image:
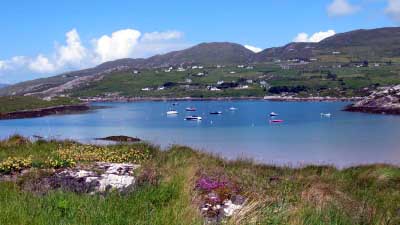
166	192
313	79
17	103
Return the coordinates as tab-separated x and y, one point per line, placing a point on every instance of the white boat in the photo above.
197	118
232	108
326	115
172	112
273	114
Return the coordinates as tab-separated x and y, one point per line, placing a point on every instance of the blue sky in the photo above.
34	43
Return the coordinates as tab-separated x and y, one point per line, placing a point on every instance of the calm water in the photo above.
345	139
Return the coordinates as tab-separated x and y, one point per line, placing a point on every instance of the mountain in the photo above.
356	45
3	85
376	44
202	54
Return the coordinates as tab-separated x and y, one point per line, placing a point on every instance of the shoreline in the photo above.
266	98
41	112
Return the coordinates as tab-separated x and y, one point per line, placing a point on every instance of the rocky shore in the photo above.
62	109
383	101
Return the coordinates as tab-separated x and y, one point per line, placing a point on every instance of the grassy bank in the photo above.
17	103
166	192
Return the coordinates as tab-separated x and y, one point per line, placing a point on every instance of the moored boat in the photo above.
276	121
172	112
196	118
273	114
216	113
190	109
328	115
232	108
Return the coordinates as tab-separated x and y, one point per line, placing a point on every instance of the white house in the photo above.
214	89
180	69
232	72
188	80
240	66
146	89
161	88
220	82
194	67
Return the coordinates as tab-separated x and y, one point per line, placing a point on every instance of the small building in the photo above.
240	66
181	69
214	89
161	88
135	72
232	72
195	67
187	80
249	81
146	89
220	82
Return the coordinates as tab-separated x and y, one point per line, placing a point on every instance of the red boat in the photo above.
276	121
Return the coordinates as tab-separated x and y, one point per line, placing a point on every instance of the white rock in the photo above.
230	208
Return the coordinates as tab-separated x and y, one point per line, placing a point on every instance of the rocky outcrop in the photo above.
44	111
383	101
119	138
100	178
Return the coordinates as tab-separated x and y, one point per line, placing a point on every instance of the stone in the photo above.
100	178
230	208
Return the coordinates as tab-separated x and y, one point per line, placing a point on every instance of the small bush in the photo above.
15	164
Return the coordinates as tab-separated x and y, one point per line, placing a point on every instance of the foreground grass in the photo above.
16	103
166	194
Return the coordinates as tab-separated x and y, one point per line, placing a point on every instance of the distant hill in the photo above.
358	44
375	44
3	85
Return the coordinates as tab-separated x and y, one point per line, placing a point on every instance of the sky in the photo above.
41	38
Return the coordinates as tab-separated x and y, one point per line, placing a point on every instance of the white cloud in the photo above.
316	37
119	45
158	36
301	37
75	55
341	8
253	48
42	65
393	10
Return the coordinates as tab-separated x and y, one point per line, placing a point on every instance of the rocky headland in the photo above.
383	101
